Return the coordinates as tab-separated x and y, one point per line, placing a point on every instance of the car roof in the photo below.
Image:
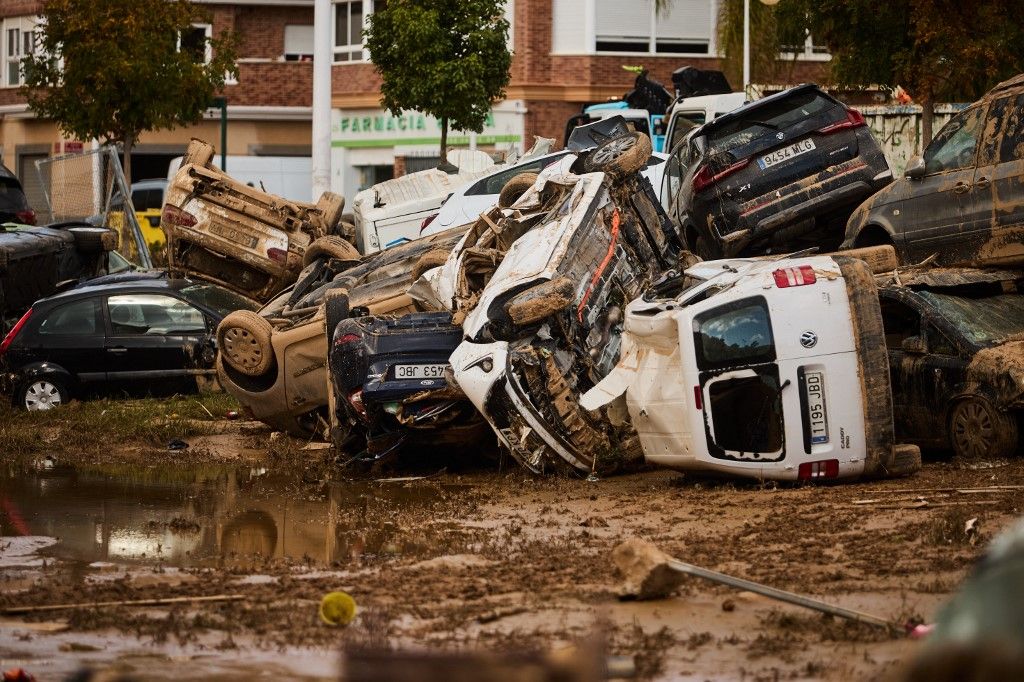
739	112
146	282
150	183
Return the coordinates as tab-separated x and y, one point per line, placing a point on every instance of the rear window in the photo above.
11	194
747	413
494	183
768	119
216	298
983	321
734	334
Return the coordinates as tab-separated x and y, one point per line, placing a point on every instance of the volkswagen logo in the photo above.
808	339
780	134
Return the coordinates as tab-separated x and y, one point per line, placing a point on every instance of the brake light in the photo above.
280	255
5	344
794	277
854	119
704	177
355	399
698	401
812	471
347	338
172	215
426	221
26	217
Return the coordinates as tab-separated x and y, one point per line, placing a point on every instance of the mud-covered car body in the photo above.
963	200
292	394
763	368
539	288
238	236
776	174
956	358
389	378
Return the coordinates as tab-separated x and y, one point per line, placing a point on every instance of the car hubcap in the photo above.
42	395
614	149
242	347
973	430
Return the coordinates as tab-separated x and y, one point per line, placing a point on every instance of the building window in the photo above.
298	43
349	22
196	41
806	50
684	27
21	36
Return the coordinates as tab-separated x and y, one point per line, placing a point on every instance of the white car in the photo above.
769	369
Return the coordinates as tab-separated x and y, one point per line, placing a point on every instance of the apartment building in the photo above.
567	53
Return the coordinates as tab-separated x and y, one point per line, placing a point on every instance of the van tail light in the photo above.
426	221
854	119
172	215
26	217
279	255
346	339
794	277
705	177
698	401
5	344
355	399
812	471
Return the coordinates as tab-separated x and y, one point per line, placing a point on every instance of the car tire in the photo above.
243	338
515	188
977	429
4	260
331	206
428	261
620	156
335	310
331	246
94	240
41	394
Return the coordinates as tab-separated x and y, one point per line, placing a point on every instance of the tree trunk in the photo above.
444	141
126	165
927	115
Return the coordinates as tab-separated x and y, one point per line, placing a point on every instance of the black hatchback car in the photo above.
145	334
774	175
14	207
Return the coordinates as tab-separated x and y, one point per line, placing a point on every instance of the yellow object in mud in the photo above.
337	608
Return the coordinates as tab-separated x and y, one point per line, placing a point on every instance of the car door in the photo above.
902	321
1007	176
152	336
939	206
71	336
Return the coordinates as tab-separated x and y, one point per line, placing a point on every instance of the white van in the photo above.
769	369
290	177
688	113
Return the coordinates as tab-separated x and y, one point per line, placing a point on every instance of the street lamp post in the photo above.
746	39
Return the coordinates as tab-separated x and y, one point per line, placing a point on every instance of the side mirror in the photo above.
915	168
915	345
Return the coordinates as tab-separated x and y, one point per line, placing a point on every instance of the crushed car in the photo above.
956	357
538	289
777	174
961	201
240	237
761	368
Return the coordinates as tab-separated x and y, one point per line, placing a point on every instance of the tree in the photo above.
772	30
445	58
112	69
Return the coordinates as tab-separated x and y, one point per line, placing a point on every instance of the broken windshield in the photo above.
984	321
735	334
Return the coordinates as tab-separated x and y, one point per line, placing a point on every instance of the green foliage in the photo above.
445	58
111	69
769	32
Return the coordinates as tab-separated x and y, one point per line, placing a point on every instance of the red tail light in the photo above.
853	119
794	277
347	338
356	400
5	344
812	471
27	217
704	177
698	401
279	255
426	221
172	215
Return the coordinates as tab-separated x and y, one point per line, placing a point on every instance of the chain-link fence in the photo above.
90	187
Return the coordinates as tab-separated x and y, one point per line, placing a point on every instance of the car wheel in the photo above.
41	394
331	205
620	156
330	246
93	240
977	429
243	338
430	260
515	188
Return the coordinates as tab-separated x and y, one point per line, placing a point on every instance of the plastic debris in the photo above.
337	608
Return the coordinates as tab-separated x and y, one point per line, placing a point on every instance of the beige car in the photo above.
241	237
275	361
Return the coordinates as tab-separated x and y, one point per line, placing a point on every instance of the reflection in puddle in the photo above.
211	516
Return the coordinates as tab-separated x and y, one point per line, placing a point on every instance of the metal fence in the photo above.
898	129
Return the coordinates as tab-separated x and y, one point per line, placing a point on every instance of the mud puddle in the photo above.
219	516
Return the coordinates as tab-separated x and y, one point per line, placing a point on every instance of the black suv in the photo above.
777	174
14	206
149	332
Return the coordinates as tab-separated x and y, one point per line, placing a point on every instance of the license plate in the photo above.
234	235
419	371
817	415
788	152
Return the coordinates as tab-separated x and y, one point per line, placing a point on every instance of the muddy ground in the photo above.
479	558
